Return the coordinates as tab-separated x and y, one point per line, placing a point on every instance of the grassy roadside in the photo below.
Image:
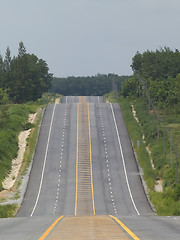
14	119
136	135
31	143
7	211
166	202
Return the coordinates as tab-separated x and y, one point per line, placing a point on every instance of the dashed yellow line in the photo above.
50	228
125	228
77	159
91	161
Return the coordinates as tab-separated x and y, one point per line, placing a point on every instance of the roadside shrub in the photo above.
28	126
7	211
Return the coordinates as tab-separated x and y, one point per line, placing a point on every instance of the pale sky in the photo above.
86	37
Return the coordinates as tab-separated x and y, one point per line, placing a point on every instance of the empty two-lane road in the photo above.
84	165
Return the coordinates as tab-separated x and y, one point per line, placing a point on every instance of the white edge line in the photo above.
124	165
44	164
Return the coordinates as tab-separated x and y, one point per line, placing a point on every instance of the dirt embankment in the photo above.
159	183
10	180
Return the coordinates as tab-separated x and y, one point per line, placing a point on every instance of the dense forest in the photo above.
158	74
24	77
87	86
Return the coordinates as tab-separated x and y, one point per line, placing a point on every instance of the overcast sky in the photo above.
86	37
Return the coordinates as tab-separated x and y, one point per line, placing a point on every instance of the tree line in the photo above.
97	85
24	77
158	73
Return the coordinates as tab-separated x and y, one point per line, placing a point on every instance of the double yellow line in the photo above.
77	160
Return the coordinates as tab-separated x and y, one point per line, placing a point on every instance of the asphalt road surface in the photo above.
116	187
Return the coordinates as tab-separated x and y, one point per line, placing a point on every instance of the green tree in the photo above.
136	62
21	50
7	60
1	72
159	71
7	68
177	87
30	78
23	78
130	87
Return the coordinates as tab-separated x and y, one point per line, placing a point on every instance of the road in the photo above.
85	173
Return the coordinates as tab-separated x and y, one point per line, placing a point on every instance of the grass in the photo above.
31	144
136	133
165	203
110	97
175	128
9	210
16	195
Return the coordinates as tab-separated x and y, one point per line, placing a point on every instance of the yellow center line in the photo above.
91	160
125	228
50	228
77	159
